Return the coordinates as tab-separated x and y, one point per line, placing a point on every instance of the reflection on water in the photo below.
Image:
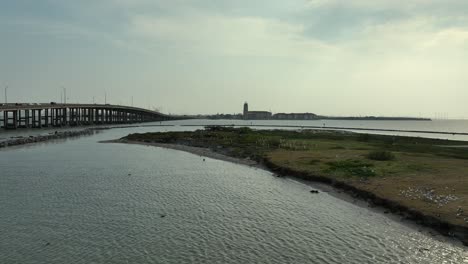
84	202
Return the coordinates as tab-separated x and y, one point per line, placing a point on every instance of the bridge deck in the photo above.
52	114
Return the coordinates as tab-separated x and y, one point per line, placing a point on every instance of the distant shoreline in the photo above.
345	128
318	118
372	118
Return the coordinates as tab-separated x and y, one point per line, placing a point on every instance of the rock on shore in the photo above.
42	138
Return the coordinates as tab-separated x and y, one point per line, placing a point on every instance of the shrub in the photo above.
314	161
352	168
244	130
337	147
364	137
381	155
274	142
215	128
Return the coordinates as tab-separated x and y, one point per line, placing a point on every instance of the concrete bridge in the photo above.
35	115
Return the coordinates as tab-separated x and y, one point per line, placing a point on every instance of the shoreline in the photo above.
26	140
58	133
393	210
193	150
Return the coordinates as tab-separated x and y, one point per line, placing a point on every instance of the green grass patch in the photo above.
351	168
337	147
246	142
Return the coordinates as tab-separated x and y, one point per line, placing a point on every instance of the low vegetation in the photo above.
388	166
381	155
349	168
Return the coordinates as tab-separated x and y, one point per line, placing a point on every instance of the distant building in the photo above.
295	116
262	115
259	115
246	111
255	115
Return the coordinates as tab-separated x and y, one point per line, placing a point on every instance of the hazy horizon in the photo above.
329	57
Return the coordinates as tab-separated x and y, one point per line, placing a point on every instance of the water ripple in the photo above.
134	204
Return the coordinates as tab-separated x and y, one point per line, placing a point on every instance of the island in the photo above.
422	179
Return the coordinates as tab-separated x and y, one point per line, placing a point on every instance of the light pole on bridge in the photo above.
64	95
6	94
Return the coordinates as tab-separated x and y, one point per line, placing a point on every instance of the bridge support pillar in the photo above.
36	118
46	117
20	119
56	117
10	115
64	117
59	117
27	118
15	119
5	118
98	116
101	116
90	116
39	118
33	114
78	116
73	119
106	116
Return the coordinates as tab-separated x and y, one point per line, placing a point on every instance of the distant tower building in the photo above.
246	110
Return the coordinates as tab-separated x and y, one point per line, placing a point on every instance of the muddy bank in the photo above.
206	152
444	228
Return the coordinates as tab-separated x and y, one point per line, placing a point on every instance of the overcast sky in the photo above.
348	57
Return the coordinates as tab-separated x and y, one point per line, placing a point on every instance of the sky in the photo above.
330	57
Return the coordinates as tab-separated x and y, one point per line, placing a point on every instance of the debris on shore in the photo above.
429	195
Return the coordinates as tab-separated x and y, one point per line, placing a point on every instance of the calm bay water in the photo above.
450	126
78	201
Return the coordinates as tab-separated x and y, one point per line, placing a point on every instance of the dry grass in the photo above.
402	180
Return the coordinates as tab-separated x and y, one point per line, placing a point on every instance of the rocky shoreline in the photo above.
23	140
444	228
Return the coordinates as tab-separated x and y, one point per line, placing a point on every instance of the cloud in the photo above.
225	35
337	20
258	36
360	54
